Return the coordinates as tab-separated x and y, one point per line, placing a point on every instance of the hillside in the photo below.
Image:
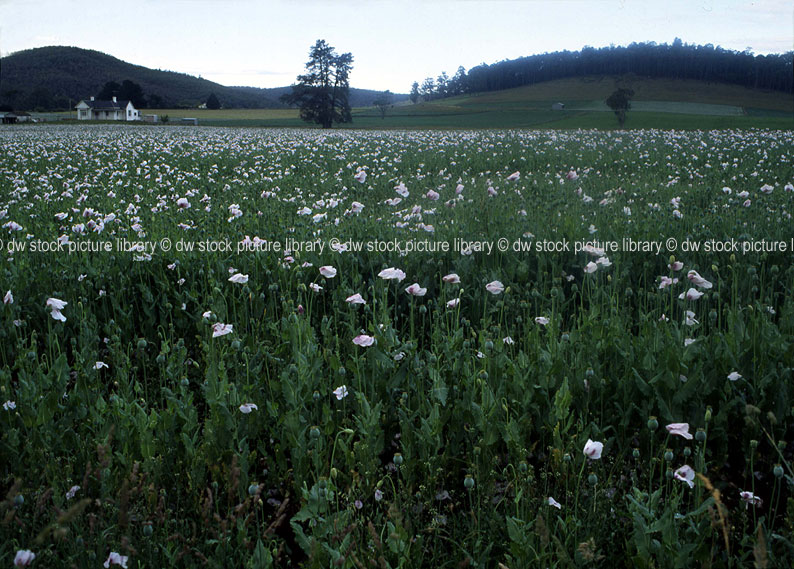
579	91
52	77
658	103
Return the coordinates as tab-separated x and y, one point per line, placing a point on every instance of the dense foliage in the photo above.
240	405
676	61
322	93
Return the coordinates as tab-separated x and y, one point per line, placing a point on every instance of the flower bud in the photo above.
468	482
777	471
687	452
397	459
668	455
653	423
592	479
700	435
314	432
636	453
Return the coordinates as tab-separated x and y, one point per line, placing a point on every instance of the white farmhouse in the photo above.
114	110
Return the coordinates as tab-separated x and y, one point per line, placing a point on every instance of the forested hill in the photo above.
49	78
677	61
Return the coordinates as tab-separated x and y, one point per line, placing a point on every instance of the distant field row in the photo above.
537	114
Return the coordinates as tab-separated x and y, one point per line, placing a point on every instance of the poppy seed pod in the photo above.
468	482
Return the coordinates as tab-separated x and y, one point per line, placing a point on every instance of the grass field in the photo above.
255	348
663	104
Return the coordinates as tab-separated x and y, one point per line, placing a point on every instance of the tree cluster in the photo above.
322	93
440	87
677	61
127	91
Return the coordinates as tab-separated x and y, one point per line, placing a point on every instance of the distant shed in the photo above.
558	107
8	118
189	120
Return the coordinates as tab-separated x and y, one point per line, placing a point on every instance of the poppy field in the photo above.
291	348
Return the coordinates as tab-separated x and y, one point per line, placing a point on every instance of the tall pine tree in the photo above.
322	93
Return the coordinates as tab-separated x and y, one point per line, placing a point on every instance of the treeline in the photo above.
677	61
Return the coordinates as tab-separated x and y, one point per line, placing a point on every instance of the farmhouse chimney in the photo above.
114	99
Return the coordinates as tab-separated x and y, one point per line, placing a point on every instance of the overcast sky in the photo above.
266	43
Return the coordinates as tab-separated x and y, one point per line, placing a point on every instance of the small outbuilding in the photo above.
9	117
558	107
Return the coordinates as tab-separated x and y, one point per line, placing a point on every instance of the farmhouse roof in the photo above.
106	105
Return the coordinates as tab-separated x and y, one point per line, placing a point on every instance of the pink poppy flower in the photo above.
238	279
363	340
691	294
750	498
341	392
495	287
8	298
361	176
116	559
685	474
676	266
593	449
392	273
221	329
248	407
328	271
416	290
555	503
541	320
451	278
697	280
514	176
56	306
681	429
355	299
23	558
